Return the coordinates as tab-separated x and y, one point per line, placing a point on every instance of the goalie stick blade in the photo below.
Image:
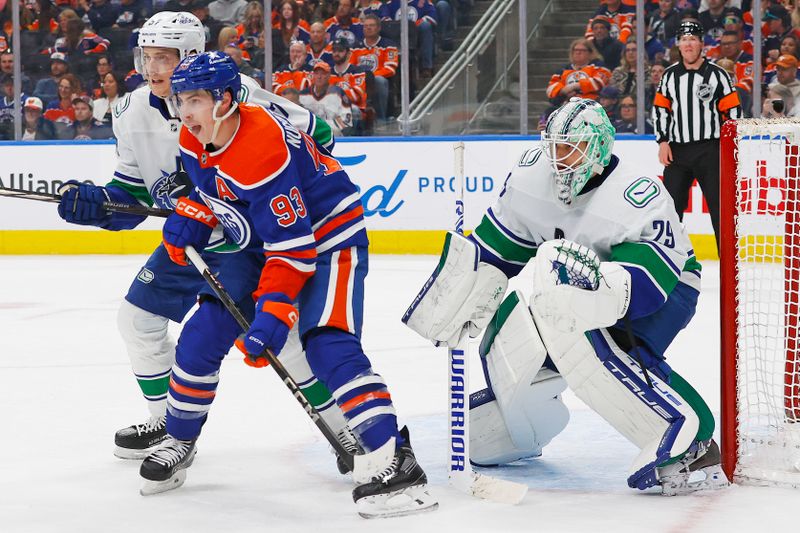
367	465
411	500
489	488
156	487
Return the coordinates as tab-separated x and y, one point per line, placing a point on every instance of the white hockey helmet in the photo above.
583	126
181	31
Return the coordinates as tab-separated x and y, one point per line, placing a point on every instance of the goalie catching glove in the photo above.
576	292
462	293
190	225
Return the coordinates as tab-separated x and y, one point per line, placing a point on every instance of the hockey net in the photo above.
760	300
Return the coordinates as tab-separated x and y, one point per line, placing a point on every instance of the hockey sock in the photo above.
337	359
204	341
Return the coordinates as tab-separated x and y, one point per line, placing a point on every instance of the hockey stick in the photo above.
116	207
363	466
460	472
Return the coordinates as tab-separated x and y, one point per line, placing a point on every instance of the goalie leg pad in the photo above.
525	411
461	291
151	350
491	441
658	421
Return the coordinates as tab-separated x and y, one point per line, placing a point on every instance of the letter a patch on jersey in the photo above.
224	192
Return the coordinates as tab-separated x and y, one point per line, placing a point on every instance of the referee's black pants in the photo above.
696	160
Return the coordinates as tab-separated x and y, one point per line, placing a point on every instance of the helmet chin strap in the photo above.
218	120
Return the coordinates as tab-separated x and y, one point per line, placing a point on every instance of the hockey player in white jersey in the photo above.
149	172
615	280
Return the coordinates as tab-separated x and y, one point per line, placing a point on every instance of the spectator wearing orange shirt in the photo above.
379	56
45	21
60	111
621	17
290	25
583	77
248	31
295	74
350	78
344	26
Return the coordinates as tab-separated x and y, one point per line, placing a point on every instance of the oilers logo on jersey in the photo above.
237	229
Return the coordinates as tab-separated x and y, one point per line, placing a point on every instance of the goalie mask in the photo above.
577	142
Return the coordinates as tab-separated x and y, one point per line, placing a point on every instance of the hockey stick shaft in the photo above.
459	473
116	207
274	362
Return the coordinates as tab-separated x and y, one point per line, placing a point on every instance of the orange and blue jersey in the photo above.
274	190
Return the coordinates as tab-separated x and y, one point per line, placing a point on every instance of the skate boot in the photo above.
165	468
699	469
137	441
348	440
398	490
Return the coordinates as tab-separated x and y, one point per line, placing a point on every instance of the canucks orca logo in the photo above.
170	186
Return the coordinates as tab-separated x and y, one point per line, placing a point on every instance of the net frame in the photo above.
761	444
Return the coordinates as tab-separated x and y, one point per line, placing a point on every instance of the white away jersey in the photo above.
621	215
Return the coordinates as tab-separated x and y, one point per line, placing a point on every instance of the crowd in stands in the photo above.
602	64
339	58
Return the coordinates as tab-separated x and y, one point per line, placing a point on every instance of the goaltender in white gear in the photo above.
605	304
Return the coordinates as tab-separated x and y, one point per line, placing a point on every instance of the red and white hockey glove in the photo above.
275	317
190	224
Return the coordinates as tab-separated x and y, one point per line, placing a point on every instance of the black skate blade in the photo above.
404	502
156	487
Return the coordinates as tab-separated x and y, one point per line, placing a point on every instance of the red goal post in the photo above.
760	300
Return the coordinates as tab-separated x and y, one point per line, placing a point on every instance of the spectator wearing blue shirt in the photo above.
7	108
425	17
102	14
47	88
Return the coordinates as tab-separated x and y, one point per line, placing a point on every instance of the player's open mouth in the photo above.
195	130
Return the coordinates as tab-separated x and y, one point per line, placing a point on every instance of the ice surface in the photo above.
261	466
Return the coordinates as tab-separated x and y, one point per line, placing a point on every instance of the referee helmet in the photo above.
690	27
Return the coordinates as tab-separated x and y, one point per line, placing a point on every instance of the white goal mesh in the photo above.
761	293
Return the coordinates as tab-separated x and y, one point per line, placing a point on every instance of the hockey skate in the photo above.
348	440
138	440
165	468
699	469
398	490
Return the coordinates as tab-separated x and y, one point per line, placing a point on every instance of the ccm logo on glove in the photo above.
196	211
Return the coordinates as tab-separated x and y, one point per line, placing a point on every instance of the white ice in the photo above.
261	466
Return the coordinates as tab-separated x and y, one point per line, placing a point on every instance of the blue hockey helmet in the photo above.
214	72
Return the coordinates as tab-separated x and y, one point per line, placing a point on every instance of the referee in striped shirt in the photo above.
692	101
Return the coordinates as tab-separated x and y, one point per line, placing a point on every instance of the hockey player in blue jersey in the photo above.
148	172
285	201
